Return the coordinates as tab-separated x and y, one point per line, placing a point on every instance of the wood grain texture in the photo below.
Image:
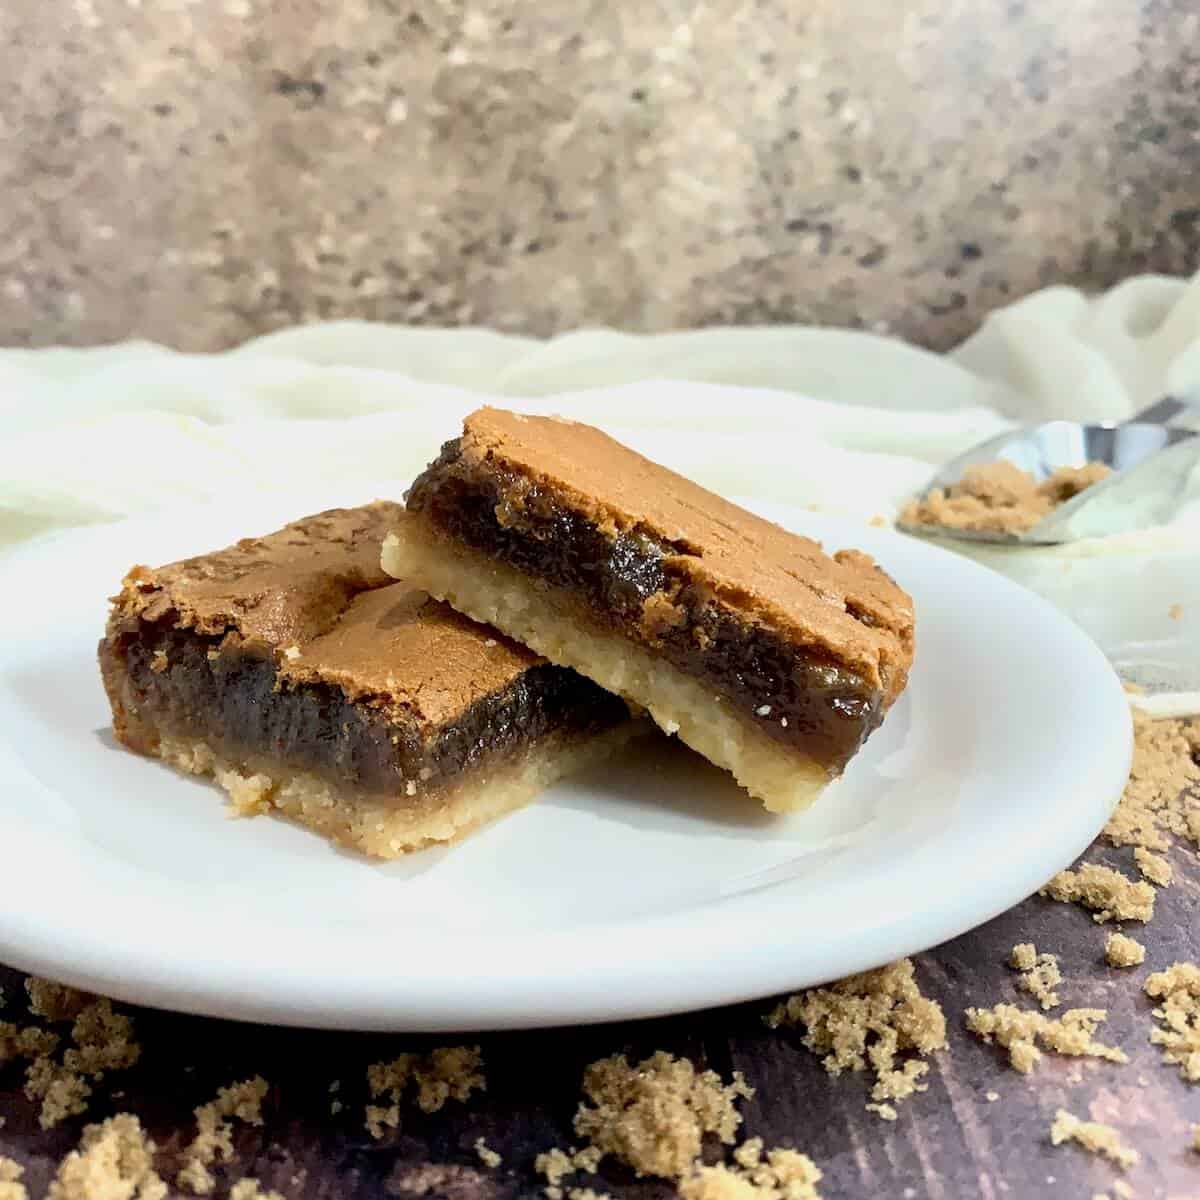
949	1143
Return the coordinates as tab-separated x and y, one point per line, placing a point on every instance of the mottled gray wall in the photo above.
198	171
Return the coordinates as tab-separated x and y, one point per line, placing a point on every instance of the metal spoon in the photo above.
1150	460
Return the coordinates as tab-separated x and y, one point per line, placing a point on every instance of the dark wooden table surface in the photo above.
950	1143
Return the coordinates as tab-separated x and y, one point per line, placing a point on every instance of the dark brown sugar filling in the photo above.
796	694
239	704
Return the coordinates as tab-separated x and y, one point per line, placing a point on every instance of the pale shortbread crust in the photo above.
389	829
501	596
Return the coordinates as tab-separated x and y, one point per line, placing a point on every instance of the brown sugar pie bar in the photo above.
306	681
768	656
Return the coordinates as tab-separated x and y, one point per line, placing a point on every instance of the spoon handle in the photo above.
1161	412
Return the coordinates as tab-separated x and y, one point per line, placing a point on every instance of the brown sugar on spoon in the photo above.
1000	498
768	656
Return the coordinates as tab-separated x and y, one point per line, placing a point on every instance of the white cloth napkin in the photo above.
843	421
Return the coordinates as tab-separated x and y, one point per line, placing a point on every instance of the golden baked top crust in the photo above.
313	596
843	603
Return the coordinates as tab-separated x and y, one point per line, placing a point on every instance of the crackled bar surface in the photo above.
769	656
307	681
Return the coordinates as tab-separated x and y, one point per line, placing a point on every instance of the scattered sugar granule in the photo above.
1123	951
102	1041
55	1001
776	1175
1178	1016
63	1093
447	1073
1153	867
866	1022
1109	894
1093	1136
214	1132
1025	1034
487	1155
991	1097
114	1161
653	1115
1160	798
588	1159
11	1187
1122	1189
1039	973
251	1189
586	1194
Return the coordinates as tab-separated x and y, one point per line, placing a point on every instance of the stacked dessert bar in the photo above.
392	677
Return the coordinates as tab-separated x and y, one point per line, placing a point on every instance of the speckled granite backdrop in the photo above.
198	171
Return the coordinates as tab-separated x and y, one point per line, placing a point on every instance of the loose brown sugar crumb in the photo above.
653	1115
553	1165
1196	1138
1123	951
868	1021
214	1132
1000	497
588	1159
251	1189
487	1155
1175	612
1122	1189
1093	1136
1178	1016
102	1040
777	1175
55	1001
1109	894
63	1093
11	1187
114	1161
1025	1034
1153	867
1162	797
1039	973
447	1073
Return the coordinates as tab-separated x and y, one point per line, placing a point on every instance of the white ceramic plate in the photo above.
648	887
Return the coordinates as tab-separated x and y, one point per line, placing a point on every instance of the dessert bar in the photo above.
306	681
768	656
